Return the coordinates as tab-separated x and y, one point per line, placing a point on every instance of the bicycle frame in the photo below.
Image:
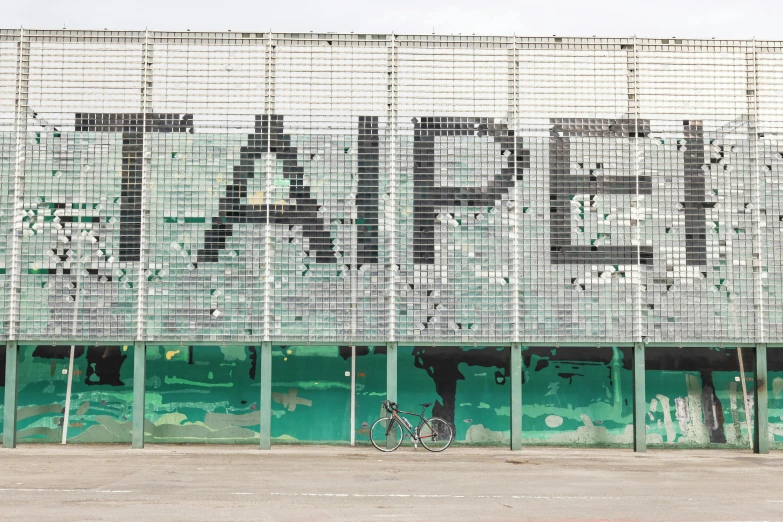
422	422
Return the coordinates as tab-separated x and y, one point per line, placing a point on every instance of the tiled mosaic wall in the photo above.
234	187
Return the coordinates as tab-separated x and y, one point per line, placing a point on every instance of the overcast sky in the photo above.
659	18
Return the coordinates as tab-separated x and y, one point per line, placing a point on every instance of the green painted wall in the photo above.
211	394
201	394
311	394
370	390
775	411
99	412
667	423
481	394
576	402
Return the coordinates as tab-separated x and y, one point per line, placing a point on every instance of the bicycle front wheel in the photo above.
386	434
436	434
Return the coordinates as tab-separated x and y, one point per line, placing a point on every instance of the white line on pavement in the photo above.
38	489
391	495
56	490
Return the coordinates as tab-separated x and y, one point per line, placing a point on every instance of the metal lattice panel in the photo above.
242	187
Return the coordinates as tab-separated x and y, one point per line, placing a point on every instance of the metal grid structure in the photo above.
363	188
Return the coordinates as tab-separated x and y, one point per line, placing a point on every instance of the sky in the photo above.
721	19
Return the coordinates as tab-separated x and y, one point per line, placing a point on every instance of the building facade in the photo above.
269	225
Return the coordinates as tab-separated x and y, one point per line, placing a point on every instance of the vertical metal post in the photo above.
760	414
14	319
516	397
265	379
146	98
390	228
391	372
11	394
353	264
20	153
760	437
390	209
638	197
745	397
79	265
353	395
757	256
514	101
139	391
268	109
391	379
68	388
639	400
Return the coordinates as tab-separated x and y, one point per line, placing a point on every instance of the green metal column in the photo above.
11	394
265	436
139	391
760	414
391	372
516	396
391	379
639	400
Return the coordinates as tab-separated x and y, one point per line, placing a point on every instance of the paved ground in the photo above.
194	483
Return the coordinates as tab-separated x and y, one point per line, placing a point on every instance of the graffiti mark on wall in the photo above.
290	400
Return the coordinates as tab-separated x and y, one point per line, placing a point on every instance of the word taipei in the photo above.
429	197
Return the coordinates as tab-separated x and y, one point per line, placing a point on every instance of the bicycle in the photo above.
386	434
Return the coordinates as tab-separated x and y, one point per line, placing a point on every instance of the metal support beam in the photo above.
391	372
139	391
265	380
516	396
391	133
144	212
20	137
11	394
353	395
639	400
760	414
391	379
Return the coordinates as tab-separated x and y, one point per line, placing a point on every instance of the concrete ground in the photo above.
231	483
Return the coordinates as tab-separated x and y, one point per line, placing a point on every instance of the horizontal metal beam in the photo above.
710	344
375	342
69	342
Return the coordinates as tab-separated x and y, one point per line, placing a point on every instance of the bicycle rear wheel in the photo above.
436	434
378	434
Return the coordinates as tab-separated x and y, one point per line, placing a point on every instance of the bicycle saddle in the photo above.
426	405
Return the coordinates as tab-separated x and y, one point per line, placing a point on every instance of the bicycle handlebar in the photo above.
390	406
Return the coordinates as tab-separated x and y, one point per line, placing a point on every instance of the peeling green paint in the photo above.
177	380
